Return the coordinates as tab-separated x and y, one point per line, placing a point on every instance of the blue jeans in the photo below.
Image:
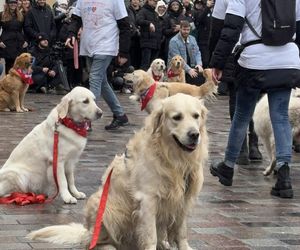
99	84
250	84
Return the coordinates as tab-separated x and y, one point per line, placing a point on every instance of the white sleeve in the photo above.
237	7
77	8
219	10
119	9
297	10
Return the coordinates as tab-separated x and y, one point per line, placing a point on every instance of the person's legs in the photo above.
100	86
145	60
278	106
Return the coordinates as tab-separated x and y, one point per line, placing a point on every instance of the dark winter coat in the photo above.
149	39
202	19
40	20
132	13
43	59
12	36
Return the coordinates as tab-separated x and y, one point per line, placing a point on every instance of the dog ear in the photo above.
157	118
203	109
18	63
63	107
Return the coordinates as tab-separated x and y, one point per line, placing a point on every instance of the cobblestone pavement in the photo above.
240	217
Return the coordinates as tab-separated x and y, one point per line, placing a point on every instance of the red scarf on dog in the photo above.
156	77
25	77
147	96
171	73
79	128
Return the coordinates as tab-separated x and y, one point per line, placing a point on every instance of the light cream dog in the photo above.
157	69
263	127
142	82
29	167
153	185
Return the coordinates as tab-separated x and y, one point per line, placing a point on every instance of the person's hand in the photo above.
210	3
70	42
51	73
25	44
122	60
193	73
177	28
2	45
152	27
199	68
45	70
216	75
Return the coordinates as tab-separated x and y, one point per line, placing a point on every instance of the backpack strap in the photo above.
252	28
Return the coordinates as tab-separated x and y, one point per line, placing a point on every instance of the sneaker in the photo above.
222	171
117	122
254	154
243	159
126	90
283	185
59	89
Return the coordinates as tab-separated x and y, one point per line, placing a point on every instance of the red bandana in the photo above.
171	73
79	128
26	78
156	77
23	198
147	96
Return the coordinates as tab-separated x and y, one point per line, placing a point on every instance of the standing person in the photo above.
185	45
151	33
105	34
272	68
161	9
39	19
26	6
12	41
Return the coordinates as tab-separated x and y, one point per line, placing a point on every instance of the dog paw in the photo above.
70	200
80	195
134	98
25	109
267	172
19	110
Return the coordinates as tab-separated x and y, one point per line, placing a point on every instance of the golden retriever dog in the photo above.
142	82
263	127
29	167
175	70
13	86
153	184
157	69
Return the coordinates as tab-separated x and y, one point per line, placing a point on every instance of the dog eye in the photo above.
177	117
86	101
196	116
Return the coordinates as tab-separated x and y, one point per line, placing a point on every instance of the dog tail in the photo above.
62	234
208	90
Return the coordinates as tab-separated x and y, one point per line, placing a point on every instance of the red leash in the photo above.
101	210
31	198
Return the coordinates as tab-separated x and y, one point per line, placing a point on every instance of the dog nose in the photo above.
99	114
193	135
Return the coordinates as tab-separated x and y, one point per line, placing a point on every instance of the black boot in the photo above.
243	157
254	153
283	186
224	173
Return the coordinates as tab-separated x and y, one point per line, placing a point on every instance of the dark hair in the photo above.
184	24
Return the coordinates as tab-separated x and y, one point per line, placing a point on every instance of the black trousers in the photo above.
148	55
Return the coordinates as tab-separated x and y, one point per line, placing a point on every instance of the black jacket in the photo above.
132	13
149	39
12	36
202	19
40	19
42	59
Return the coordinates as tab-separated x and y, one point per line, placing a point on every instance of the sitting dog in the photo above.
157	69
29	167
14	85
263	127
153	185
176	71
151	93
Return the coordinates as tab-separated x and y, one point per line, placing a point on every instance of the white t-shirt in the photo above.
259	56
100	34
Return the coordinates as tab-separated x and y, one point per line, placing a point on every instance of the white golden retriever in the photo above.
29	167
263	127
157	69
153	184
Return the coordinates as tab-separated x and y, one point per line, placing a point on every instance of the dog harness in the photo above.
171	73
147	95
25	77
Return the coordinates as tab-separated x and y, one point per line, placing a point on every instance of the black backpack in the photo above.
278	22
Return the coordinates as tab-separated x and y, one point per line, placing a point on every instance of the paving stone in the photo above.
244	216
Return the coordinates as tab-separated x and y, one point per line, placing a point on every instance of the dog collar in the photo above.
147	95
26	78
156	77
171	73
79	128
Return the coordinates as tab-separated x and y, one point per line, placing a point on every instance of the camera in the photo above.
115	75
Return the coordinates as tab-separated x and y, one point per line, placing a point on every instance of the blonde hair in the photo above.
7	16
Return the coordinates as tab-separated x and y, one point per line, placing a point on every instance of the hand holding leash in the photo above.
70	42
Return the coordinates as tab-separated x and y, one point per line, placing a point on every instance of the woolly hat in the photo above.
41	37
159	4
11	1
59	2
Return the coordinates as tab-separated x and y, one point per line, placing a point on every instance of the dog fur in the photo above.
29	167
12	88
263	127
141	81
176	66
153	185
157	69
